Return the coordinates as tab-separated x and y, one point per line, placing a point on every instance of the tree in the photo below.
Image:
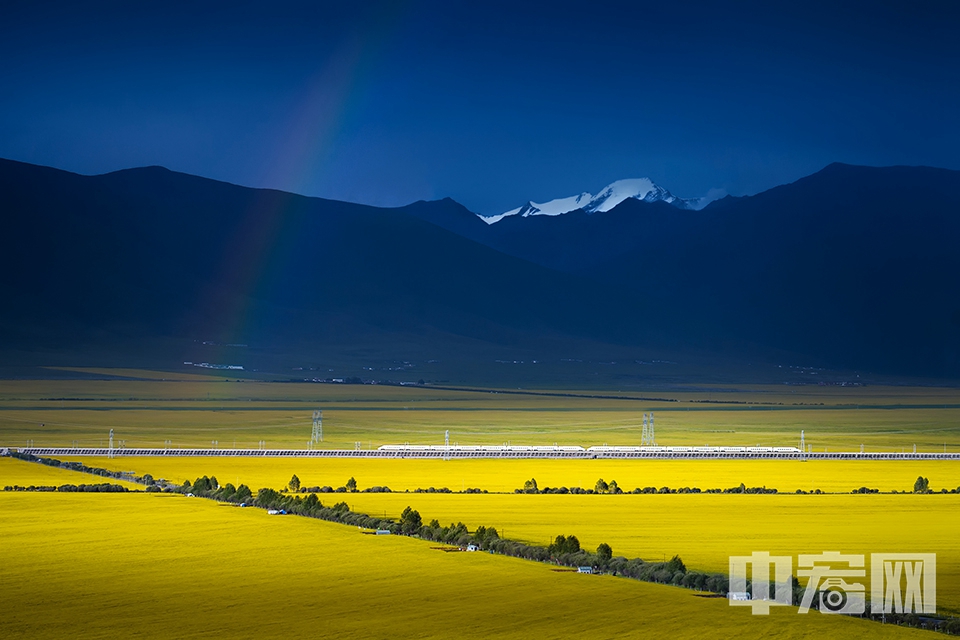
352	484
558	546
604	552
267	498
563	544
410	521
530	486
227	492
294	483
922	485
601	486
676	564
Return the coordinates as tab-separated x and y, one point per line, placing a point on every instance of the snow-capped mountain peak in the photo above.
617	192
612	195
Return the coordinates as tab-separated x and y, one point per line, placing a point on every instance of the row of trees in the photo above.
205	487
349	487
80	467
563	551
103	487
603	487
311	507
922	485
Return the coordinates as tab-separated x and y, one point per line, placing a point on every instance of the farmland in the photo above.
697	527
705	530
171	566
261	559
16	473
499	475
193	413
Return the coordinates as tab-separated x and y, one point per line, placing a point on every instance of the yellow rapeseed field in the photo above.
705	530
162	566
506	475
16	472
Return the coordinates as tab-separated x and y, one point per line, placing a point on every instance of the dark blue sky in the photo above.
488	103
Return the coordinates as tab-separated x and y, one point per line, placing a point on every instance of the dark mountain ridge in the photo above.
151	252
851	267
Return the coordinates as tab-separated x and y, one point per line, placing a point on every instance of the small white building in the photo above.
738	595
473	547
584	569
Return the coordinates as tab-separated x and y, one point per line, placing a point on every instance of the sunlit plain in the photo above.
218	413
505	475
169	566
213	547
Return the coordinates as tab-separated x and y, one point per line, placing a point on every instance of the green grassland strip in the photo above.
244	405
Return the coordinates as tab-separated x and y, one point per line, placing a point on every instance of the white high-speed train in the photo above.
468	448
578	449
694	449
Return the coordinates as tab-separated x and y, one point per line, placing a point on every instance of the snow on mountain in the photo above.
612	195
551	208
639	188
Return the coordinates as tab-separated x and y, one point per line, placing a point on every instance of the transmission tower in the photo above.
803	447
446	444
110	450
317	435
648	438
